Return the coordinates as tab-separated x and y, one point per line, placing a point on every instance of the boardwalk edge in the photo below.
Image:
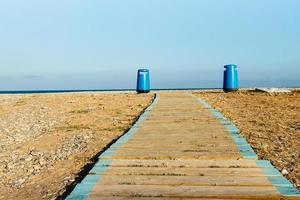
284	186
83	189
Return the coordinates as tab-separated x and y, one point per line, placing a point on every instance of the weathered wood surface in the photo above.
181	152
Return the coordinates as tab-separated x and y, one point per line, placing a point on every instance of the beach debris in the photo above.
284	172
273	90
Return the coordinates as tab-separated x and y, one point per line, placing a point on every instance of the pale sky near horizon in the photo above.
99	44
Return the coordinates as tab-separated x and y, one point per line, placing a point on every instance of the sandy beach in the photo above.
47	139
269	122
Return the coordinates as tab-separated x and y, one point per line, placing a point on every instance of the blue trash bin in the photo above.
143	81
231	82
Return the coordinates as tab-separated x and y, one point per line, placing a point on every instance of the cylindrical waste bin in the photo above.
231	82
143	81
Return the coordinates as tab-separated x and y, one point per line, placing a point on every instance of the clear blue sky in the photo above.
76	44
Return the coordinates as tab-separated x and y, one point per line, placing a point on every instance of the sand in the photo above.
47	139
269	122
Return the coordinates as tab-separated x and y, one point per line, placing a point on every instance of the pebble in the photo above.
284	172
34	162
29	158
28	124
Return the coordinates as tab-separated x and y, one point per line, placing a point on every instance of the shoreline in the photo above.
112	91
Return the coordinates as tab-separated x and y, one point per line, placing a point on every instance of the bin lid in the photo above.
230	65
143	70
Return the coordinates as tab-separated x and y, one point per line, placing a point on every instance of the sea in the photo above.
94	90
105	90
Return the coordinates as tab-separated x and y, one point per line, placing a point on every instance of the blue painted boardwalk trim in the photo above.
245	149
274	176
82	190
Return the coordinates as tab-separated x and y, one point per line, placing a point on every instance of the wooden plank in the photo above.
129	148
184	151
205	133
190	129
185	191
186	163
181	142
179	120
207	137
137	146
96	197
178	123
197	156
226	180
169	171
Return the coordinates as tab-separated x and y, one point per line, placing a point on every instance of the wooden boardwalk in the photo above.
181	150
